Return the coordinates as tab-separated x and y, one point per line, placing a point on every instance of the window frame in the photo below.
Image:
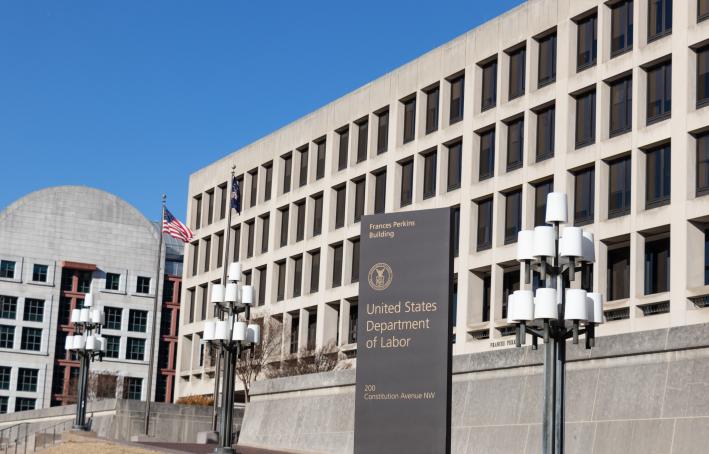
628	26
622	211
666	31
593	60
541	41
664	167
626	105
489	84
666	67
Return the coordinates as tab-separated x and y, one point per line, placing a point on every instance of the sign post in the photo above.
403	393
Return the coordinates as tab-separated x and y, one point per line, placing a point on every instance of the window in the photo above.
457	98
621	27
137	321
254	187
618	273
545	132
659	92
320	168
113	346
340	196
352	327
236	234
113	281
220	249
34	310
659	19
317	214
262	282
195	258
409	119
315	271
303	169
3	404
702	9
487	154
5	377
294	333
510	284
455	154
8	307
7	269
621	106
383	132
344	135
27	379
7	336
487	285
541	191
657	266
210	206
432	96
143	285
135	349
312	328
619	187
197	201
515	143
84	284
268	169
359	199
354	276
207	253
133	387
113	317
265	226
285	214
300	220
484	224
587	43
513	215
586	119
380	187
31	339
222	201
584	184
657	185
281	268
547	59
407	182
429	175
702	164
456	230
517	72
362	138
706	262
489	85
24	403
39	273
703	76
336	265
297	275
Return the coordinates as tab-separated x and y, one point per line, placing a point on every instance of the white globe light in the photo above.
525	245
556	207
88	300
234	271
247	295
576	307
544	241
571	242
239	333
595	307
232	293
217	293
75	315
69	343
209	328
545	305
589	249
253	334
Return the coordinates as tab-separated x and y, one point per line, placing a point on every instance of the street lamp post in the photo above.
555	312
233	336
88	344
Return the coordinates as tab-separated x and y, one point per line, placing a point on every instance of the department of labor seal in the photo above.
380	276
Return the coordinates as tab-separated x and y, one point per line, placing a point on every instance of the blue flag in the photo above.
235	195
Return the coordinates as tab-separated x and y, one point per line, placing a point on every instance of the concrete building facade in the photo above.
603	100
56	245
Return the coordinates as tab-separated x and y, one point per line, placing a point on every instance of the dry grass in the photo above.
79	444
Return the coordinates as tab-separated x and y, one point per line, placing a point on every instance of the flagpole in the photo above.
153	344
225	267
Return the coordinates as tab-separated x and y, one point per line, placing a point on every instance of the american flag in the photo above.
175	228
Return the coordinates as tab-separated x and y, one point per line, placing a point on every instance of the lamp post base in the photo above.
79	428
224	450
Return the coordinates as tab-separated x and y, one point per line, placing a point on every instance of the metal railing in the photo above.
22	438
11	438
48	436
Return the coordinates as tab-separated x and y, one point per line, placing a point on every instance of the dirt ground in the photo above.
77	446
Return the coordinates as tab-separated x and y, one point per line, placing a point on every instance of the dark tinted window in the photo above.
254	189
383	132
515	143
297	275
659	92
517	70
621	106
342	151
658	163
320	170
407	182
659	18
702	9
409	120
300	219
586	119
456	231
269	181
354	277
657	266
250	239
489	85
336	265
584	189
545	133
287	170
359	200
547	59
429	175
487	154
621	27
362	138
541	191
380	187
484	224
303	173
281	269
703	76
265	221
314	271
513	215
340	194
619	187
317	215
457	98
432	110
262	281
285	214
618	273
587	42
454	169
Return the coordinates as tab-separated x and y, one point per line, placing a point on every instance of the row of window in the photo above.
8	271
137	319
31	338
26	379
21	404
33	308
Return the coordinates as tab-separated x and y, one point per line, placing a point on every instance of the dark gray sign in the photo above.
402	404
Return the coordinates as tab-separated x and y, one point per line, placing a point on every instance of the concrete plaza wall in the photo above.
644	392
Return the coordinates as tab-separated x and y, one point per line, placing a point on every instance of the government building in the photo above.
603	100
57	245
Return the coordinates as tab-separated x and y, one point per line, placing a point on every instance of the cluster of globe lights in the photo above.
553	252
87	322
229	297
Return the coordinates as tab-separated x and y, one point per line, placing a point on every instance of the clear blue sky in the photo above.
132	96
